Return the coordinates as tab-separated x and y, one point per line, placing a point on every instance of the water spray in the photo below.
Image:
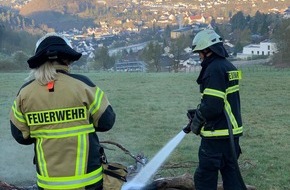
142	178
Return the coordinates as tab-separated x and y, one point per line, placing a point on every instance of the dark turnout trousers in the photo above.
215	156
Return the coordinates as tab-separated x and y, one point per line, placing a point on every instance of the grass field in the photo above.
151	109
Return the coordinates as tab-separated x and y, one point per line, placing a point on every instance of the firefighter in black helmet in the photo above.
61	114
219	87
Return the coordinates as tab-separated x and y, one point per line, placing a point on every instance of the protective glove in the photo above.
190	113
197	122
187	128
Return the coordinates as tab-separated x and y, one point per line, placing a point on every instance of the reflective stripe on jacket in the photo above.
220	91
63	124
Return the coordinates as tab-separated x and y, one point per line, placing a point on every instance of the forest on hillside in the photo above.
242	29
88	7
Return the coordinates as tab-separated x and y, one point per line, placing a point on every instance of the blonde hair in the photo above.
47	72
44	73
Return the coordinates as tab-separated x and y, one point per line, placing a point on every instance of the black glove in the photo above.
187	128
190	113
197	122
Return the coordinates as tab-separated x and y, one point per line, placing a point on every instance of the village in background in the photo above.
144	36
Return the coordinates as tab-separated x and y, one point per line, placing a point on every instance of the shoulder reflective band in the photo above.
220	94
71	182
17	114
235	75
56	116
232	89
95	106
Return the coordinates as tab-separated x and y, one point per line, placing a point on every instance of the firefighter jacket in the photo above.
62	119
219	87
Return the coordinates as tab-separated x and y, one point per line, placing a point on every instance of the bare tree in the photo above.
281	37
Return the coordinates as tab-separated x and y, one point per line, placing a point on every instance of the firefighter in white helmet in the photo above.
219	88
61	114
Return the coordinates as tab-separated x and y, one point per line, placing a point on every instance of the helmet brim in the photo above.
51	48
62	52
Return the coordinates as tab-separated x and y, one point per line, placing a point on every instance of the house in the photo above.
187	62
181	31
265	48
130	66
128	49
197	18
287	13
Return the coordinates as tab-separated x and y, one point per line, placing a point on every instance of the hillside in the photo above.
60	21
66	14
77	7
74	7
59	14
12	20
17	32
63	6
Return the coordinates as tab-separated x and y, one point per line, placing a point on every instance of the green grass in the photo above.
151	109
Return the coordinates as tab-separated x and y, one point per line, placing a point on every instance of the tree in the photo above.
238	21
2	28
103	59
167	32
264	30
152	54
242	38
238	48
20	58
255	22
177	49
281	36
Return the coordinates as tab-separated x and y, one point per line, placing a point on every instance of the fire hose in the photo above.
191	114
233	151
141	179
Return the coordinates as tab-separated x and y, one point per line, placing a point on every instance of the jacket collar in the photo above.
205	63
61	68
